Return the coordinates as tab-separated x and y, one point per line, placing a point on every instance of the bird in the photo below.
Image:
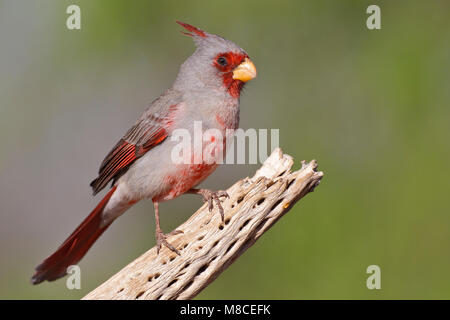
140	166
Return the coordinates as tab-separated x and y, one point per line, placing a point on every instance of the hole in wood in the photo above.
231	246
290	183
153	276
172	282
227	221
120	290
140	294
244	224
260	201
261	224
187	285
276	204
201	270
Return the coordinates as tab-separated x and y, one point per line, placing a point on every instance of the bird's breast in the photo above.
186	177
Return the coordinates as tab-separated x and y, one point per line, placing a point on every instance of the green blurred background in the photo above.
371	106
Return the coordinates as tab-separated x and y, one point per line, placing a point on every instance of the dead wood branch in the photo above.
208	245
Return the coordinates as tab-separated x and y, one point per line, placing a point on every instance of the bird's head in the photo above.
217	63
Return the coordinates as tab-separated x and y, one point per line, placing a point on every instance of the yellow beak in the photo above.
245	71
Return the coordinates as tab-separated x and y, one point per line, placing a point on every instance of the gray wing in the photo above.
149	131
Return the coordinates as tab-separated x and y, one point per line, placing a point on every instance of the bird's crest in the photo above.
195	31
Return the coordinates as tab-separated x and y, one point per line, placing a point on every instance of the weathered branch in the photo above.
208	246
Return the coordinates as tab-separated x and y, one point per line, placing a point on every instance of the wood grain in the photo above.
208	245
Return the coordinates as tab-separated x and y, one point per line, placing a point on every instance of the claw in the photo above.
219	206
161	240
211	197
223	193
210	204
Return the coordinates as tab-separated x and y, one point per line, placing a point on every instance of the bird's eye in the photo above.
222	61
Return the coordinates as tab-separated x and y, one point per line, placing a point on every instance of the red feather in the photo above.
75	246
233	59
193	29
122	156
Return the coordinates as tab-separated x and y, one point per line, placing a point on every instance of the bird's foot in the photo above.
161	240
214	196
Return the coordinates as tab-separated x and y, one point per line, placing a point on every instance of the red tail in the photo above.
75	246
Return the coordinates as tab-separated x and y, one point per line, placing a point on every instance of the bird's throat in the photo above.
233	86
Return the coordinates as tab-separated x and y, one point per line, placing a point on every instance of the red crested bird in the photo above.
141	166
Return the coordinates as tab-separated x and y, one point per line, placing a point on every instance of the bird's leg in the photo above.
160	236
210	196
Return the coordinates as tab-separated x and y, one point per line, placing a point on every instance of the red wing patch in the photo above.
121	157
148	132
